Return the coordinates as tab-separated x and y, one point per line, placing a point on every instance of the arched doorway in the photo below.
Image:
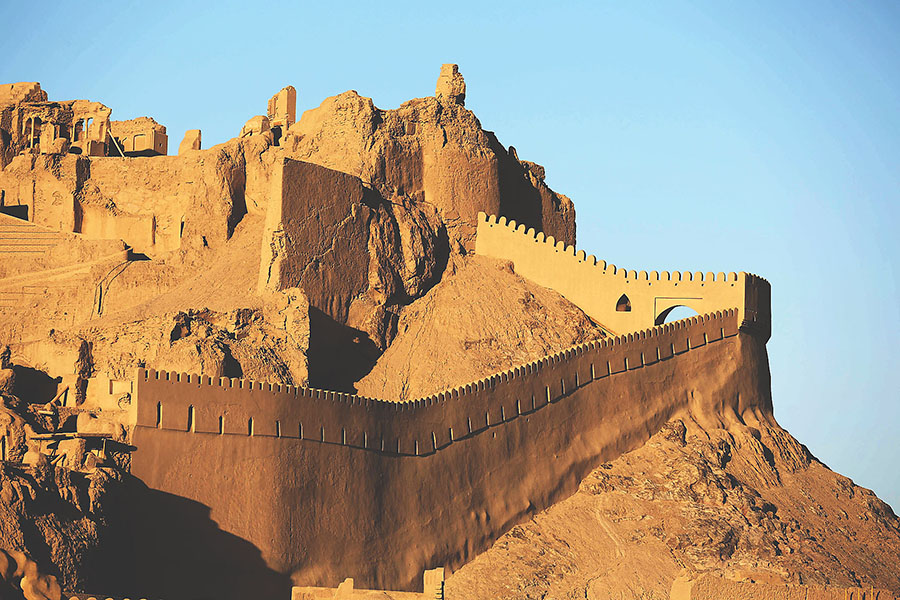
675	313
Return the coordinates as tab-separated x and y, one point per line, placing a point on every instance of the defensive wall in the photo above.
323	485
619	299
417	427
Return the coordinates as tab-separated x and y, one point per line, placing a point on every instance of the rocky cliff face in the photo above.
434	152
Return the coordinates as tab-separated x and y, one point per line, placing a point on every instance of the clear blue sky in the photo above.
715	137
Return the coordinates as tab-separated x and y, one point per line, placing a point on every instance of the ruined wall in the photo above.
597	288
31	124
138	137
432	151
153	204
318	219
12	94
46	186
327	485
160	201
26	91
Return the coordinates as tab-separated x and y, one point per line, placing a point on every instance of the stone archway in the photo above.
662	315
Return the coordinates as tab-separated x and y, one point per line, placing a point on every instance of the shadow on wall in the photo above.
17	211
519	200
34	386
166	546
339	355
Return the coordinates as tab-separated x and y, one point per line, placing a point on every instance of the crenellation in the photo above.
261	410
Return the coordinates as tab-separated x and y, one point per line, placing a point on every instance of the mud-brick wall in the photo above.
381	491
605	291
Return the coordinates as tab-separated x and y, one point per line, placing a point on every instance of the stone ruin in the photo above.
340	245
450	85
38	126
32	124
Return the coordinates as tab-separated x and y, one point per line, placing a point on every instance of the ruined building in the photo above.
220	334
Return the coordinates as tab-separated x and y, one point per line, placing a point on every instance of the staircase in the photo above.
24	239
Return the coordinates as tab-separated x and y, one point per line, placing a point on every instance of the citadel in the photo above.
206	342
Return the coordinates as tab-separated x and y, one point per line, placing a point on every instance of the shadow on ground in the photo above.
166	546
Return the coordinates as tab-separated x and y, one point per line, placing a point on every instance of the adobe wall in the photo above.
25	91
317	215
152	203
596	287
46	185
139	137
379	490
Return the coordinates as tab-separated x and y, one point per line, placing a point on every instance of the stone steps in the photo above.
25	238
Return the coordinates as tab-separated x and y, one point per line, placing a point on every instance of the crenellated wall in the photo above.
597	288
200	404
328	485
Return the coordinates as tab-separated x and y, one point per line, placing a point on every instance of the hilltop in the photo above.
362	344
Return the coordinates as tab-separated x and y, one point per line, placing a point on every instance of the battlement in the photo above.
224	406
434	480
620	299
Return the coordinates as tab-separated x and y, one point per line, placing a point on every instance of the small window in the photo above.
624	304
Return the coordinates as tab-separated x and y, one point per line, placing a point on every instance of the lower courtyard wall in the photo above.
212	511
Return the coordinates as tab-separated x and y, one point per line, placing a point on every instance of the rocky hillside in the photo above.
434	151
750	504
339	254
479	320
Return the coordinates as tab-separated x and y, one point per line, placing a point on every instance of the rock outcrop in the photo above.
431	151
21	578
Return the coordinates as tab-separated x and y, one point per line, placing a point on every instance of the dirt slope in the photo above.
752	504
479	320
